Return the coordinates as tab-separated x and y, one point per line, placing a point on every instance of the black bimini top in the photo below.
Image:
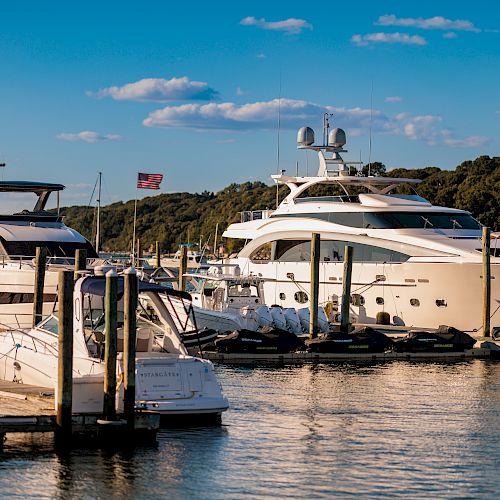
29	186
96	285
41	189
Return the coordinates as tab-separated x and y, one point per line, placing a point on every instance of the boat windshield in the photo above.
51	324
394	220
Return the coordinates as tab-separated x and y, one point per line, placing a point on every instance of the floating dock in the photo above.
30	409
323	357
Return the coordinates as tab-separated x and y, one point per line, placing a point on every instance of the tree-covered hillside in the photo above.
172	218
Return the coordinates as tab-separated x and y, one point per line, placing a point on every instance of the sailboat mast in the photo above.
98	223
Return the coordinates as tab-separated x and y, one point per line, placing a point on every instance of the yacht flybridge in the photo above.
20	233
419	262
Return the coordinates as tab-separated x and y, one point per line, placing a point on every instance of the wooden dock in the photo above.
314	357
27	409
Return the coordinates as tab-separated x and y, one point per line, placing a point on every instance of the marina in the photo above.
250	252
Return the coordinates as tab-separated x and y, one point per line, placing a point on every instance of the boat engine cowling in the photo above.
279	320
292	320
263	316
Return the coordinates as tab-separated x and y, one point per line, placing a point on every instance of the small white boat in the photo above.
168	380
195	260
224	300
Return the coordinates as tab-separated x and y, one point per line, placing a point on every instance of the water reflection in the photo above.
374	430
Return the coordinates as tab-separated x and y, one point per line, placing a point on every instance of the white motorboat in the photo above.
168	380
20	234
195	260
224	300
418	262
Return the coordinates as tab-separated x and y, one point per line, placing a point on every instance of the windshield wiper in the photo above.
427	221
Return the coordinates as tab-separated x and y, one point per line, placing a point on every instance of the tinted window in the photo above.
394	220
333	251
54	248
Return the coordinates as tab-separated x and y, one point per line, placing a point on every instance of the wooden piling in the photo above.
80	261
346	289
65	356
40	263
129	343
182	268
158	256
486	281
110	304
314	302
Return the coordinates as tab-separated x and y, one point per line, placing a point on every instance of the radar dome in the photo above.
337	138
305	136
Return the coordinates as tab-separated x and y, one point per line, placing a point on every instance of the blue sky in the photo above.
191	90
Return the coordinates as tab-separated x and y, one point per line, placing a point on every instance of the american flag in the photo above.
149	181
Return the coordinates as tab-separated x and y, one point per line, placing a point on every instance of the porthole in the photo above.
282	296
379	300
415	302
441	302
301	297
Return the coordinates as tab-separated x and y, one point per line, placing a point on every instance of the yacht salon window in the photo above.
16	249
394	220
262	254
333	251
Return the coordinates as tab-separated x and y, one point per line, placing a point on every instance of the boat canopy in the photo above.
96	285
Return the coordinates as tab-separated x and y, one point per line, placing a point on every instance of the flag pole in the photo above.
135	221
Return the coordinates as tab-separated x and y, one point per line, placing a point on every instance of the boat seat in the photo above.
144	340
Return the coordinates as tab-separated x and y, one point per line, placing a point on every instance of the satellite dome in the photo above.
305	136
337	138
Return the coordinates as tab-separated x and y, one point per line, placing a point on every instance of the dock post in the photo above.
129	343
65	357
314	303
486	281
40	263
182	268
110	303
346	289
158	257
80	261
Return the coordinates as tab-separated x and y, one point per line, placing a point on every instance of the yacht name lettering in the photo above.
160	374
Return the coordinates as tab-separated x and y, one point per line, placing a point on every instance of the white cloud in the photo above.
449	35
225	141
263	115
88	136
421	127
471	141
430	23
260	55
290	26
159	90
402	38
393	98
80	185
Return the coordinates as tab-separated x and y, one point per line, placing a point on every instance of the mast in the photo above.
98	222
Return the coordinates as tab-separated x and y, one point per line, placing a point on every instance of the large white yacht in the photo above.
419	262
20	233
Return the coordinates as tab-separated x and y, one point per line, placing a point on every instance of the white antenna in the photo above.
370	133
98	222
278	146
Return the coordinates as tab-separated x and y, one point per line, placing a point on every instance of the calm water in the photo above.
414	430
